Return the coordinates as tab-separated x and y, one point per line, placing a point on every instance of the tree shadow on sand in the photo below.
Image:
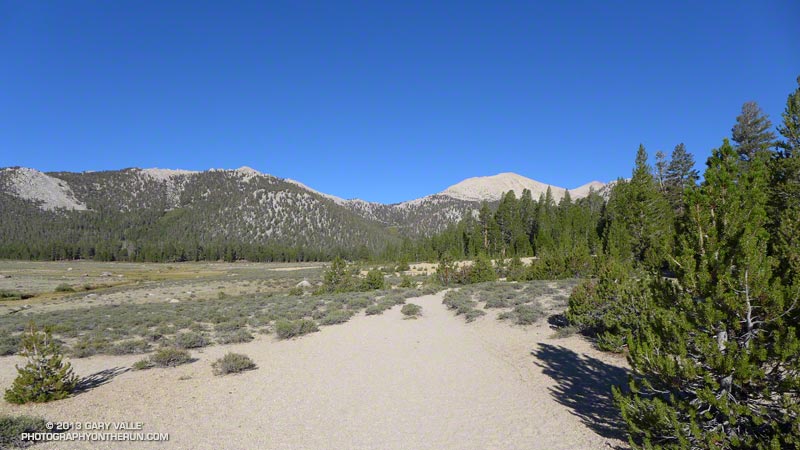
98	379
584	386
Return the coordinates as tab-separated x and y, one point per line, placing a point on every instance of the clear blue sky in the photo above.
385	101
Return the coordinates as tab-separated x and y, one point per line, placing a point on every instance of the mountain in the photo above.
148	210
493	187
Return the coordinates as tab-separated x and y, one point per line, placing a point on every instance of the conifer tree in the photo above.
482	270
45	377
716	356
644	220
752	131
680	174
661	170
790	126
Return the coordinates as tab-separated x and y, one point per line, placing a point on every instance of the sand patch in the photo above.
374	382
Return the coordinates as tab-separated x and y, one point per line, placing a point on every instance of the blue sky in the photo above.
385	101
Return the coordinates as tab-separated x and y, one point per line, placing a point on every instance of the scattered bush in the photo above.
336	316
411	310
143	364
565	332
462	302
170	357
9	295
527	314
230	326
375	309
497	302
64	287
12	427
88	346
286	329
130	347
234	337
233	363
190	339
406	282
9	344
296	291
359	302
45	376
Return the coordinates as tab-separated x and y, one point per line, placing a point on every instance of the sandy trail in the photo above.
375	382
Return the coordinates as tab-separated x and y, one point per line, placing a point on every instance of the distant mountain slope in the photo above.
493	187
133	207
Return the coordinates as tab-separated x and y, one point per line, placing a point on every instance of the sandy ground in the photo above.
428	268
378	382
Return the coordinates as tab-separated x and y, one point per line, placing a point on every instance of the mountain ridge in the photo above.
480	188
157	206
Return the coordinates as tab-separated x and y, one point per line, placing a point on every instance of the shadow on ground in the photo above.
584	386
98	379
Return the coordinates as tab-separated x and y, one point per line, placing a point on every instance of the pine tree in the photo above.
661	170
485	219
752	131
446	270
45	377
784	207
716	356
643	215
680	174
482	270
790	126
338	278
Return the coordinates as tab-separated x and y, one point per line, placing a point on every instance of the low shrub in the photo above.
496	302
411	310
130	347
143	364
527	314
12	427
358	303
296	291
234	337
170	357
64	287
9	345
9	295
336	316
88	346
565	332
286	329
230	326
406	282
233	363
190	339
462	302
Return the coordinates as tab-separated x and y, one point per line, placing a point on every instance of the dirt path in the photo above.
376	382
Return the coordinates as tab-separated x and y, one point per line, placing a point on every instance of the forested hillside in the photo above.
174	215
